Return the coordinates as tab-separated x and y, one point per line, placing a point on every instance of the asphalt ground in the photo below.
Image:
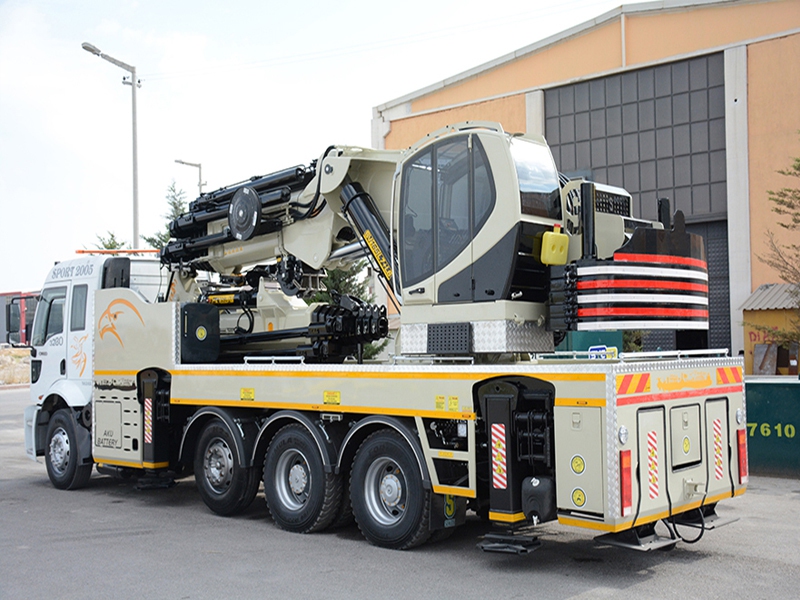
111	540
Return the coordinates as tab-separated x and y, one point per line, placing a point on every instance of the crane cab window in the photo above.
539	190
448	194
49	315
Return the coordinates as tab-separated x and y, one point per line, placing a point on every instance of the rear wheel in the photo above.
62	456
224	484
390	503
300	495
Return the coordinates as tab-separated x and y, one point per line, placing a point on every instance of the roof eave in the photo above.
630	9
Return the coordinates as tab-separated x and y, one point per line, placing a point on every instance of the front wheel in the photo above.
390	502
300	495
224	484
62	456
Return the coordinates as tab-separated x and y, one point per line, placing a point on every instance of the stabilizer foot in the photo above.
708	519
508	543
155	482
643	539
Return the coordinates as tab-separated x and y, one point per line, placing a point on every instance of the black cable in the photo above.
702	528
239	330
310	206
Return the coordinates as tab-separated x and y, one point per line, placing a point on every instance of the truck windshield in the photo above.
49	315
540	193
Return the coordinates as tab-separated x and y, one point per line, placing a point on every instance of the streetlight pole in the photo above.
200	183
134	83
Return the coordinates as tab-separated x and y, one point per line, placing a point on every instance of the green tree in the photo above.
110	242
633	340
784	258
351	281
177	206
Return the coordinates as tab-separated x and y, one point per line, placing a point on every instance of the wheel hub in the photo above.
59	450
298	479
391	490
219	466
292	479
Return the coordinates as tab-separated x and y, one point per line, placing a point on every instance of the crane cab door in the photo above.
447	196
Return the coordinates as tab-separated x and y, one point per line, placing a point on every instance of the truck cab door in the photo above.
79	363
49	356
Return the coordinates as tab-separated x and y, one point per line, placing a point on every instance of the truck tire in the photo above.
390	503
344	516
61	454
300	495
224	485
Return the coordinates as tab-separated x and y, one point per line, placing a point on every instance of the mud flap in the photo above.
447	511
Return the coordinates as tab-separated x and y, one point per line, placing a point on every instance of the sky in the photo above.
242	87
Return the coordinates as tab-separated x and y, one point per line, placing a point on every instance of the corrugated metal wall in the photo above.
658	132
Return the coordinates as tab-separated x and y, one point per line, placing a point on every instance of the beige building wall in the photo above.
774	131
654	37
594	51
510	111
632	38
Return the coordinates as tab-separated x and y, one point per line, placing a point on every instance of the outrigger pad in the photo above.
508	543
710	519
643	539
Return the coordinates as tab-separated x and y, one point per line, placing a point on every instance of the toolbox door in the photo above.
579	459
718	449
652	462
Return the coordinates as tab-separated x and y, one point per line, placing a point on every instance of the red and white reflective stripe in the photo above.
148	421
718	468
499	478
652	463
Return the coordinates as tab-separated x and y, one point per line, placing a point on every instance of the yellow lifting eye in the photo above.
554	247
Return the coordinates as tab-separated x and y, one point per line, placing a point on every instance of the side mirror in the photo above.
12	321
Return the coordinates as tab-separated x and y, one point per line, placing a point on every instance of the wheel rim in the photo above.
385	491
218	465
59	451
292	479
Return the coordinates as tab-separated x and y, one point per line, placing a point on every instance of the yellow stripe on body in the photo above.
683	508
595	525
625	525
159	465
506	517
118	373
454	491
377	374
372	410
119	463
600	402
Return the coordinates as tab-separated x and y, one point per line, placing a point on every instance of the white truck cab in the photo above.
58	423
